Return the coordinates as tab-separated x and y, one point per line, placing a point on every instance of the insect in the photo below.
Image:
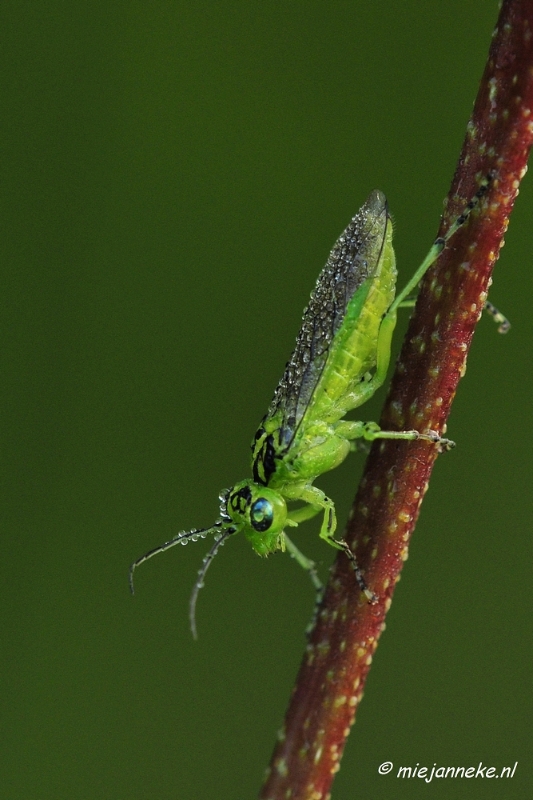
341	358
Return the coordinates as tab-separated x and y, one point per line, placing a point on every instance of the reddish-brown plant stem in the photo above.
340	649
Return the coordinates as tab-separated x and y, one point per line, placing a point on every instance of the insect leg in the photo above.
366	388
438	246
307	564
310	568
316	498
369	594
303	513
502	322
371	430
409	302
388	323
431	436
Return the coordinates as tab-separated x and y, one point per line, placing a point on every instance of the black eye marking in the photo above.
239	501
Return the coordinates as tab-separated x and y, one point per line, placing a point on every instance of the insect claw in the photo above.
371	597
435	438
369	594
446	445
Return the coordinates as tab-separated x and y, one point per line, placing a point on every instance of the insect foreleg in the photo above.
307	564
317	499
302	514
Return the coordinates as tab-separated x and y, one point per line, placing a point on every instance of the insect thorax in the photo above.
267	451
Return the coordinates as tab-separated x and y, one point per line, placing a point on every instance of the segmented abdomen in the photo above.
353	353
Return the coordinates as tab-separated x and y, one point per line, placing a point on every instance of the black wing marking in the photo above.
352	260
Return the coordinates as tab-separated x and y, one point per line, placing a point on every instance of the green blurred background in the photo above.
173	177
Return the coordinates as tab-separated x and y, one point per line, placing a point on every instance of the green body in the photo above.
341	358
333	369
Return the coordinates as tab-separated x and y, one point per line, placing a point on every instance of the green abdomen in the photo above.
353	353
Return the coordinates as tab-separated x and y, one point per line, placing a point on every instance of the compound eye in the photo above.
261	514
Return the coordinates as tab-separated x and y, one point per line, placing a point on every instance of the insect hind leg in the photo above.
501	321
439	244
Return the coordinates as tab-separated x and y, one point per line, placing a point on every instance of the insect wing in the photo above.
348	269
